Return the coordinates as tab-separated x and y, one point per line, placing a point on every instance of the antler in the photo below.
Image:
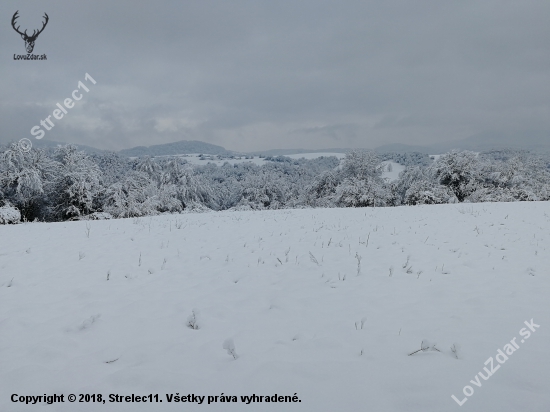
15	16
43	26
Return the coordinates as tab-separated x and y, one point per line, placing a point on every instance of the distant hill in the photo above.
481	142
181	147
531	140
488	141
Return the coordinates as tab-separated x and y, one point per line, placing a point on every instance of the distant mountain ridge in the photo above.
532	141
529	140
181	147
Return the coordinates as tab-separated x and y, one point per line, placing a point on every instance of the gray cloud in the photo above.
253	75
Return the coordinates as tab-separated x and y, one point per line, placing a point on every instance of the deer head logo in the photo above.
29	40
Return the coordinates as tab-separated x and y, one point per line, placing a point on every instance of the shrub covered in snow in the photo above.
95	216
422	192
9	215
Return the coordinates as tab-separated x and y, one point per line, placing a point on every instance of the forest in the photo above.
68	184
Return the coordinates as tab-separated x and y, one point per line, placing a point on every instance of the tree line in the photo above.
65	184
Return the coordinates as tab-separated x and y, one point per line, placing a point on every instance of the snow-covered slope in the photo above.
196	159
104	307
315	155
392	170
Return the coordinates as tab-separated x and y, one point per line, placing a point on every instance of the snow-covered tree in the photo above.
76	183
459	171
262	192
148	165
518	178
24	178
131	197
66	183
113	167
363	165
362	183
322	191
189	187
355	192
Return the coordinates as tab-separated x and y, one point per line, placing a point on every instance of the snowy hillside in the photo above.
199	159
315	155
326	304
175	148
391	170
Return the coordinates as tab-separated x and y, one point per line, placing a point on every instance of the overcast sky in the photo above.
256	75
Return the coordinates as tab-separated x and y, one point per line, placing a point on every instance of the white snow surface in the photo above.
394	173
316	155
195	159
278	306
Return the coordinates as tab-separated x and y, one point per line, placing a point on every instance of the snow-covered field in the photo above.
104	307
392	174
316	155
195	158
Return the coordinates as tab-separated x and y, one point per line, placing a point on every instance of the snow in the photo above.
9	214
436	157
195	159
394	173
273	302
315	155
